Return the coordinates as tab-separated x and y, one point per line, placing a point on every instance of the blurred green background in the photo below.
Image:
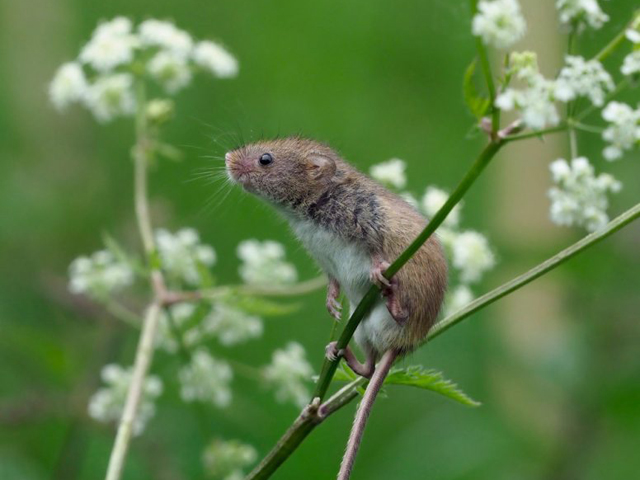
555	365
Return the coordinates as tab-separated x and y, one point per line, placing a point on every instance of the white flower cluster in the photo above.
499	23
581	13
182	255
181	314
227	459
101	78
228	324
263	263
580	78
580	197
107	404
536	102
623	132
99	275
390	173
288	372
631	63
206	379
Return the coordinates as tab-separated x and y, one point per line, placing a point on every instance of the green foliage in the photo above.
417	376
478	104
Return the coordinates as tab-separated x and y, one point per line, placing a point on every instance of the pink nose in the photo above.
227	157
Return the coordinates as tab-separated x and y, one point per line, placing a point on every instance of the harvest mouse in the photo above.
353	227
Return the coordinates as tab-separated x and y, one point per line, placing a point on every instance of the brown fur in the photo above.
358	209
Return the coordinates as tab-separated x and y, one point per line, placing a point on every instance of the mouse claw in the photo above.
332	353
376	275
335	308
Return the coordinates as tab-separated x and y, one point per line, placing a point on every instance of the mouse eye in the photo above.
265	159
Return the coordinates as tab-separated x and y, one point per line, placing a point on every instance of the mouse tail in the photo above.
359	423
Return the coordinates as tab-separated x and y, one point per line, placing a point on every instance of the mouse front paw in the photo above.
376	275
332	353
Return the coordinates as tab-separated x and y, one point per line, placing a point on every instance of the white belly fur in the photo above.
350	265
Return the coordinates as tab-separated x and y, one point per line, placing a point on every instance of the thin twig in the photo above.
145	349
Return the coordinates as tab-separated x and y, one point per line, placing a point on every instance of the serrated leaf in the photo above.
477	104
417	376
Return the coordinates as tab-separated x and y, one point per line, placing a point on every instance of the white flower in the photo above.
433	199
111	45
231	325
157	33
581	13
472	256
523	64
583	78
206	379
216	59
410	199
170	70
263	263
633	32
631	64
288	372
181	313
227	459
457	299
391	172
499	22
623	131
111	96
68	85
633	35
182	253
579	197
107	404
99	275
535	104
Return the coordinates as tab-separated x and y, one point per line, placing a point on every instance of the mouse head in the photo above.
288	172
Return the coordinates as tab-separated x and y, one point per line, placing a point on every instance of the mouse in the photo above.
353	227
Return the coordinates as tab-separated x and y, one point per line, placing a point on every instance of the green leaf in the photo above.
344	373
417	376
206	278
261	306
478	104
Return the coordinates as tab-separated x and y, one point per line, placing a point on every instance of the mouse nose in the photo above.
227	157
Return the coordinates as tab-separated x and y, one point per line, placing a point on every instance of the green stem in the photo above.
537	134
546	266
309	419
488	75
299	430
611	46
329	367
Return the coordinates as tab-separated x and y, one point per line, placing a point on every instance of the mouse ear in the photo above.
322	166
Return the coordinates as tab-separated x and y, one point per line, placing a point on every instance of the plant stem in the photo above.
611	46
144	354
145	349
302	427
538	133
299	430
301	288
329	367
546	266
